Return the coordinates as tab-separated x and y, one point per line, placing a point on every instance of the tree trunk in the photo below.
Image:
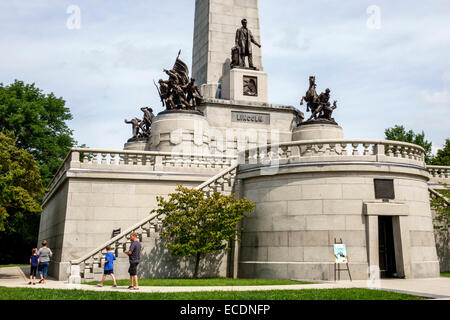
197	264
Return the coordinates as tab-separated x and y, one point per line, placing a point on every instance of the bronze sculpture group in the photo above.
142	128
319	105
179	92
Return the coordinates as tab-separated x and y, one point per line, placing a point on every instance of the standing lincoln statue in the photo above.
244	39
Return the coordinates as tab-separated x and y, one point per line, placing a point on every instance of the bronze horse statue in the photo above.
312	98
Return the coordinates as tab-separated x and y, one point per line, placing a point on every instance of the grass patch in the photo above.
445	274
13	265
316	294
213	282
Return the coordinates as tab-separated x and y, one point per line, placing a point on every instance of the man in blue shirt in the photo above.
109	267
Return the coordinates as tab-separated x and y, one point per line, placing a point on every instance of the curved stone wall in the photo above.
303	207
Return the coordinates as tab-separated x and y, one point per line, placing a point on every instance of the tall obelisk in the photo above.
216	22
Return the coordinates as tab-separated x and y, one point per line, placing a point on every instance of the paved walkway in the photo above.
437	288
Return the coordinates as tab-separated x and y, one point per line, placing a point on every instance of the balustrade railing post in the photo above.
103	159
159	163
379	149
355	149
75	159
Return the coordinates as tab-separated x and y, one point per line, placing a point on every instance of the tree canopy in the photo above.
21	191
399	133
38	122
196	225
20	185
442	157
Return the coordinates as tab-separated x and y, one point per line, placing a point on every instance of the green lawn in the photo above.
445	274
214	282
324	294
13	265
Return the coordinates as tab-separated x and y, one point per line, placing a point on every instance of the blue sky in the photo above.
396	74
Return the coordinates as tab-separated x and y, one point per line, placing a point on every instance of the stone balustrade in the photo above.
223	182
144	161
90	158
335	150
439	174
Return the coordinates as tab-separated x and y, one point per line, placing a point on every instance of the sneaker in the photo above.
130	287
100	286
135	288
29	282
34	284
114	286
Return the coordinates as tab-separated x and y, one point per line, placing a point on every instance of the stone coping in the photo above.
336	167
180	113
244	104
157	163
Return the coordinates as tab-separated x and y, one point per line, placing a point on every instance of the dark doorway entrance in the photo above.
386	247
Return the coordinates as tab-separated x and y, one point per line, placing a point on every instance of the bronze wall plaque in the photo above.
384	189
250	86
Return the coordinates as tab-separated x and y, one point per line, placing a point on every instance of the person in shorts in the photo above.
134	254
108	269
34	262
45	255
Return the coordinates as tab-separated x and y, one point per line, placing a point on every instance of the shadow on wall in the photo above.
226	67
443	249
159	263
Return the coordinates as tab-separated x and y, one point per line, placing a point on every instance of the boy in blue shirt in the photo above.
109	267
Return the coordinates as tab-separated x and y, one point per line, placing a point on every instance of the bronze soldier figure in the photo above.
180	97
136	125
328	111
324	101
166	94
146	123
194	96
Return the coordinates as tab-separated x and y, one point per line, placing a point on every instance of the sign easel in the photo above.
340	257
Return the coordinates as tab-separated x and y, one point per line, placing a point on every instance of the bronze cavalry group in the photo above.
319	105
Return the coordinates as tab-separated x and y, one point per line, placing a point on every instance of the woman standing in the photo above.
44	260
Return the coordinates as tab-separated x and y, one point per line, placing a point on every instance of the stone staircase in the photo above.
436	194
89	266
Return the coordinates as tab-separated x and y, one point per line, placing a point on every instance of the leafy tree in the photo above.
196	225
38	121
443	155
21	190
399	133
442	209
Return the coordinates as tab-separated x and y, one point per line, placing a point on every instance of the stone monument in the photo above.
311	187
